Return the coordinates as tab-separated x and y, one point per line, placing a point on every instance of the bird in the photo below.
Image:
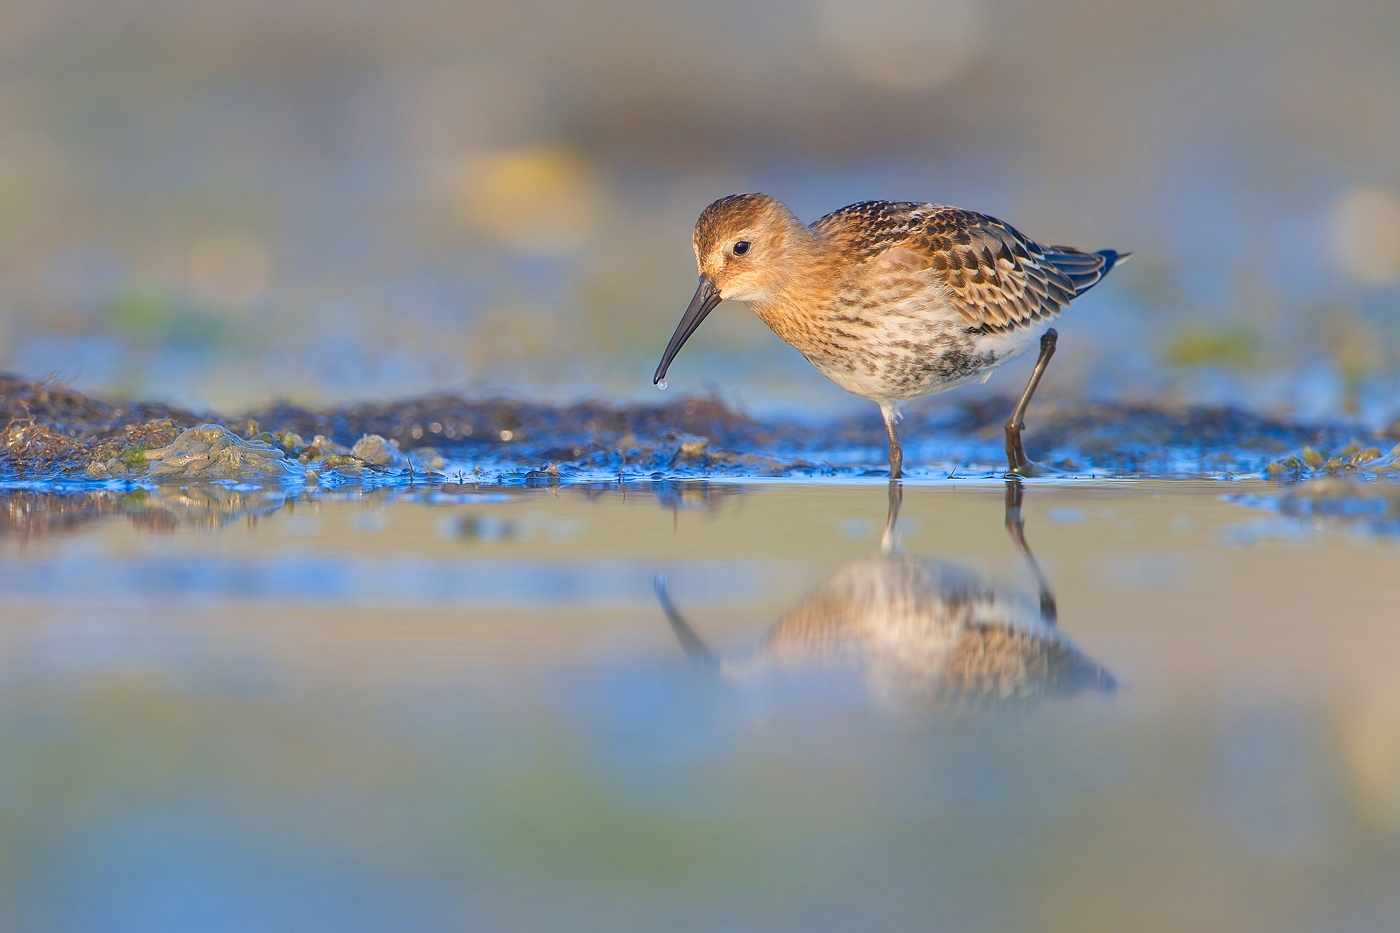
920	635
891	300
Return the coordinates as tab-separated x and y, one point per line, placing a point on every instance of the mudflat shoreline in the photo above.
49	430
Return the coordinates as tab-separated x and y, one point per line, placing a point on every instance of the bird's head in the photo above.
746	246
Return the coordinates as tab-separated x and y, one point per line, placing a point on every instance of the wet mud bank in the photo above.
49	432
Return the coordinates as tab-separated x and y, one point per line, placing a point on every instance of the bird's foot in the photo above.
1029	468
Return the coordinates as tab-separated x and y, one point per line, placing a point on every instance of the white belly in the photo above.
896	369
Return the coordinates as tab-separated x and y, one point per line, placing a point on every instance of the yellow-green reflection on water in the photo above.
467	710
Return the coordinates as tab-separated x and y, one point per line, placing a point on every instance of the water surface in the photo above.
700	706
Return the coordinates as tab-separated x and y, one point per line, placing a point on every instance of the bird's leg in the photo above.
1016	527
1015	453
896	454
887	541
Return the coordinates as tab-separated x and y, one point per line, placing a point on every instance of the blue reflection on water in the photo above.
192	866
363	581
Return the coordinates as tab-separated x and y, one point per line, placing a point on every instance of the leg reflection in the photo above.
1016	527
887	540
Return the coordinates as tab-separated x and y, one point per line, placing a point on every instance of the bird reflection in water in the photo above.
918	634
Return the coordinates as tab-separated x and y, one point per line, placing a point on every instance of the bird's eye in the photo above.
741	247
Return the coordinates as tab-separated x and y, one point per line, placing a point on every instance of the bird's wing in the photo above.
996	278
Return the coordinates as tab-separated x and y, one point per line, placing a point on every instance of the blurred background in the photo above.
223	203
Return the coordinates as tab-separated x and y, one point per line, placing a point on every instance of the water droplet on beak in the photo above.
661	385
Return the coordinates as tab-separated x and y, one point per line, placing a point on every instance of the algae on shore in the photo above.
51	431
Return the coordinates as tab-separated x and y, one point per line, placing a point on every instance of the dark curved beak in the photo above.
706	297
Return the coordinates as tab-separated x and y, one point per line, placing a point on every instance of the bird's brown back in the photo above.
994	277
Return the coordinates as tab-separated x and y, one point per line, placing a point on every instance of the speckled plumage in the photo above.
890	300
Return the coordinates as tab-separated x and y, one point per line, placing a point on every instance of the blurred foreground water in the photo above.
464	707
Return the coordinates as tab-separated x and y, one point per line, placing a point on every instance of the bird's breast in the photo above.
888	350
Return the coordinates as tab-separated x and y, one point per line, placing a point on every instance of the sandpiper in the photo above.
891	300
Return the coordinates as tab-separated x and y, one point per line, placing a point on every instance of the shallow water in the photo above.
467	708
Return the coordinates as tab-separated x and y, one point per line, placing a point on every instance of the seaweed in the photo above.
51	431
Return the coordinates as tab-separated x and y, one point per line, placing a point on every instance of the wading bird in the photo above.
891	300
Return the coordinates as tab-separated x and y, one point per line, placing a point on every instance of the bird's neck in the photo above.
795	309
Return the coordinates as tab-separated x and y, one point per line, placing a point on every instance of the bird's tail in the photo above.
1085	270
1111	258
